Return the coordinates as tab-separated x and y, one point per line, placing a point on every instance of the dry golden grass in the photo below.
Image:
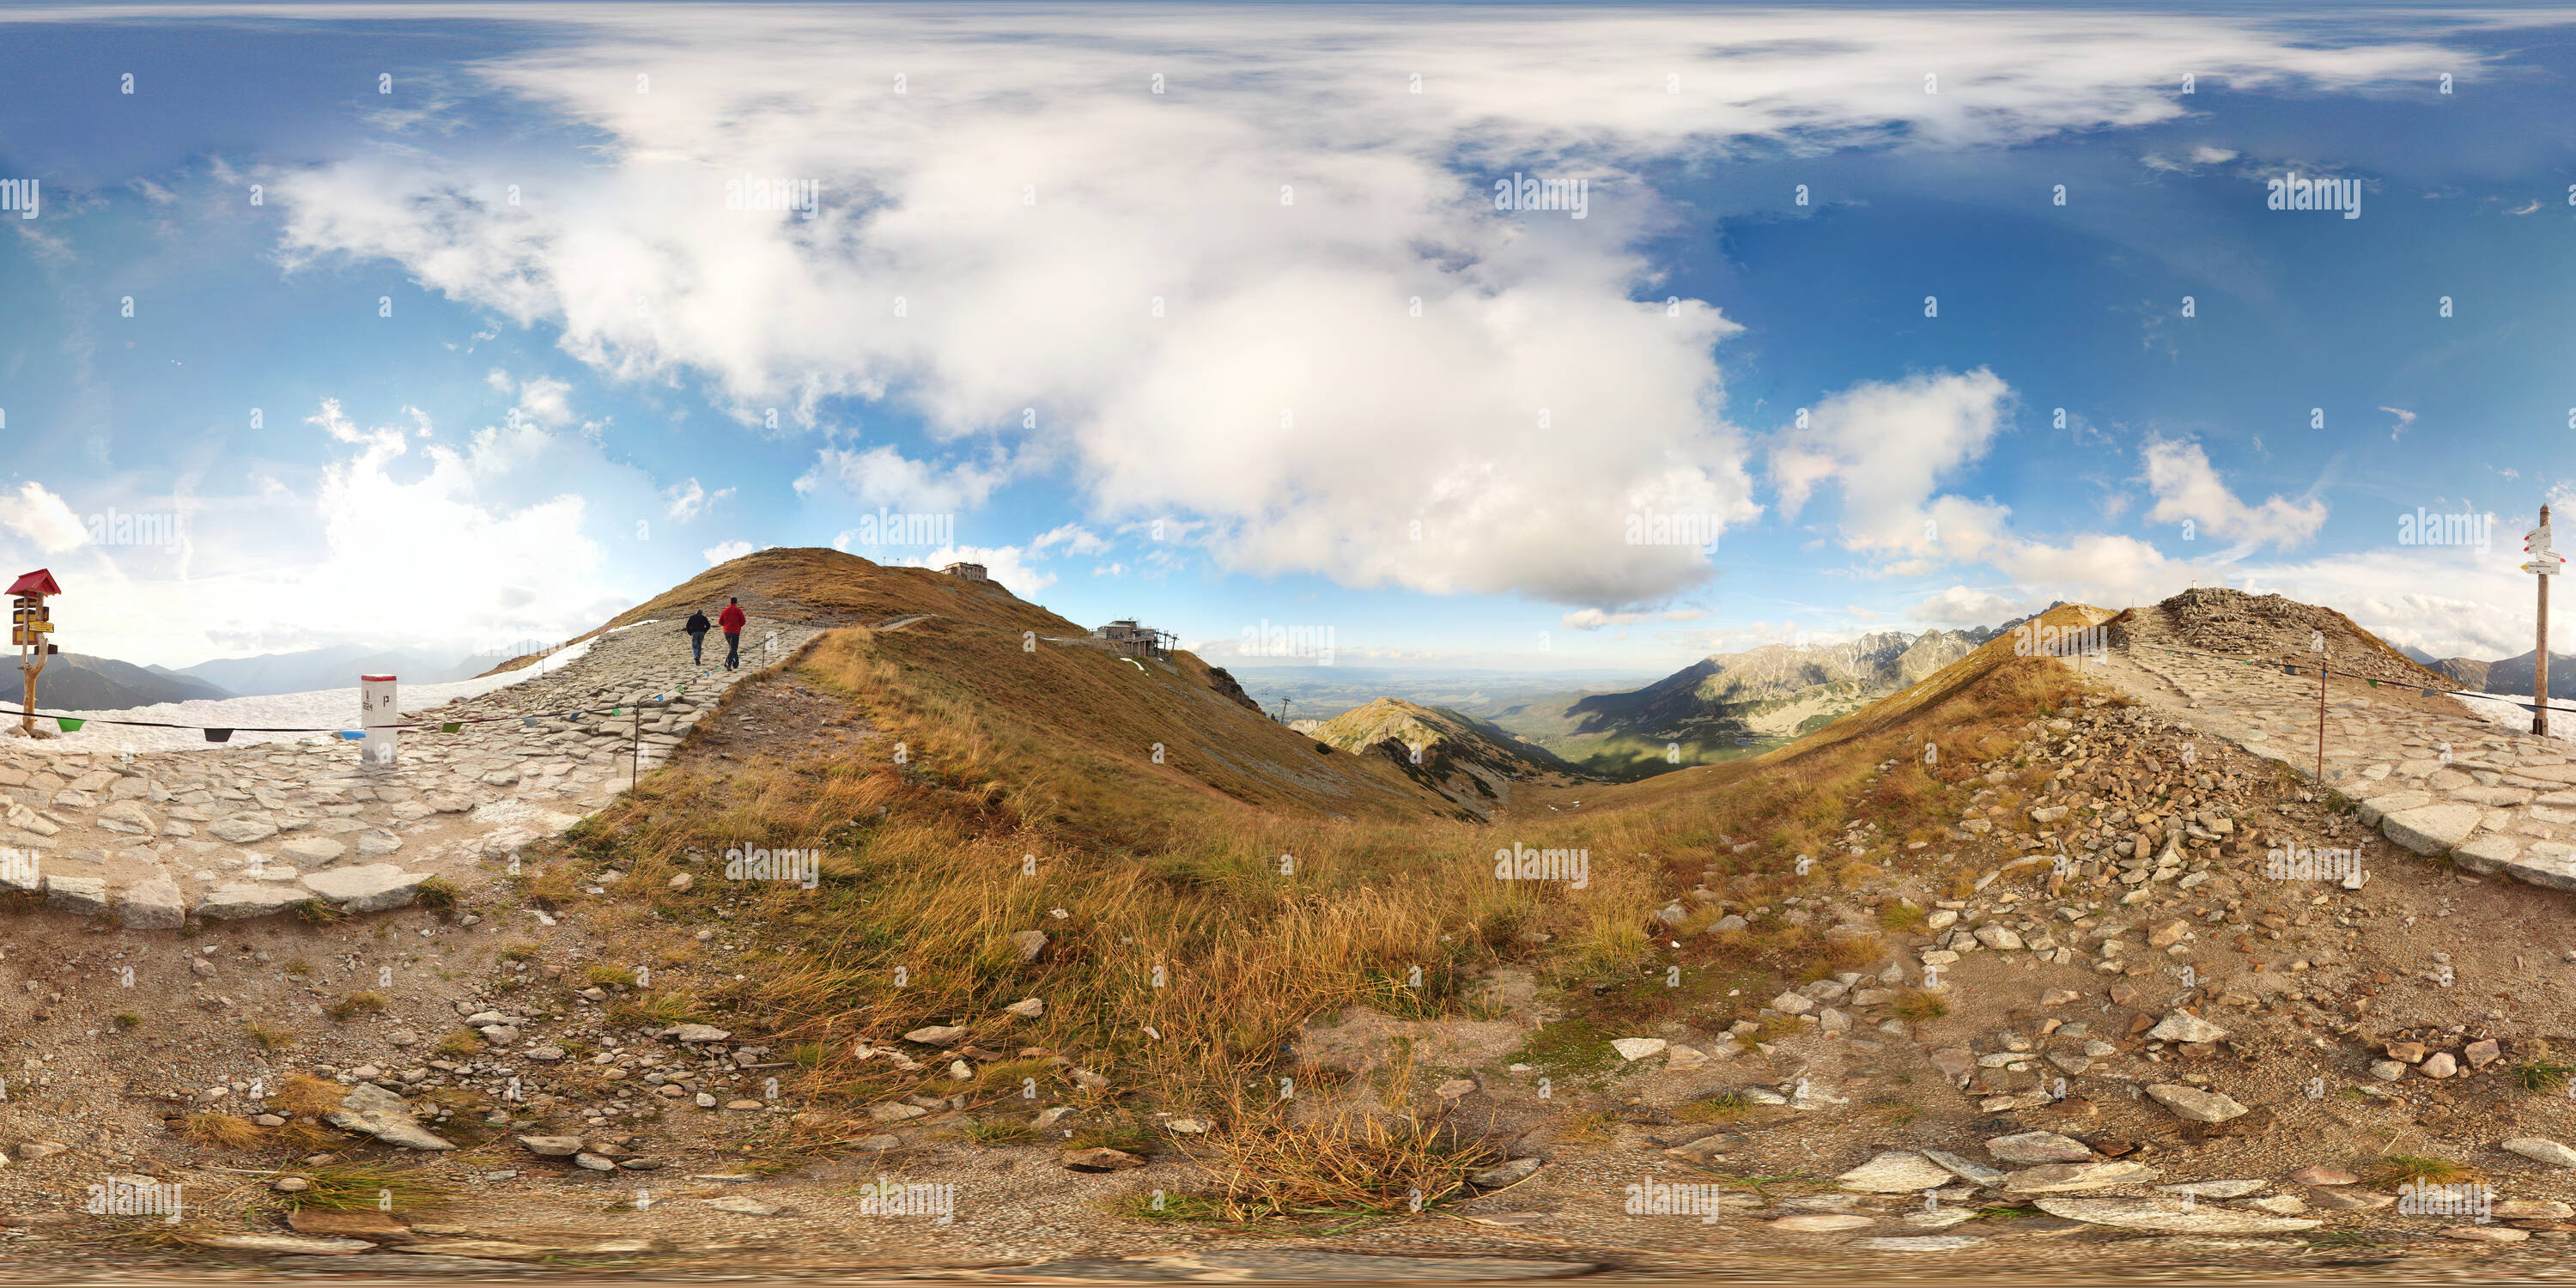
221	1131
309	1096
1218	899
1352	1162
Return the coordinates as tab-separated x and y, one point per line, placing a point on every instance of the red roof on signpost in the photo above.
39	582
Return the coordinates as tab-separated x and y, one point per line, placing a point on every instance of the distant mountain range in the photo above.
1729	705
1468	760
337	667
2507	675
79	682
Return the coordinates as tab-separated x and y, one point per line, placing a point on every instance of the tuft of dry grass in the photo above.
2418	1169
1916	1005
312	1097
363	1002
1352	1162
221	1131
364	1186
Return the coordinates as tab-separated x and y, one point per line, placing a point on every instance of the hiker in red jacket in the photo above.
731	620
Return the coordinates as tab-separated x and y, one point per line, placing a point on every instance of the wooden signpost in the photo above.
31	630
2544	565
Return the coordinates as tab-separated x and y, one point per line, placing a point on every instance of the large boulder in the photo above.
2432	829
383	1115
153	905
373	887
241	902
81	896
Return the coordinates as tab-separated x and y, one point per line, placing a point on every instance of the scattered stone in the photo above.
1638	1048
745	1206
1028	1008
2060	1178
1500	1175
696	1033
382	1114
2183	1026
2195	1104
2440	1065
1101	1159
938	1035
2039	1147
2215	1189
361	1224
1821	1222
1896	1172
2172	1215
2320	1174
2542	1150
1966	1169
1919	1243
1297	1266
2485	1234
286	1243
552	1146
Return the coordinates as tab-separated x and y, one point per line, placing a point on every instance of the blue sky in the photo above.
1259	348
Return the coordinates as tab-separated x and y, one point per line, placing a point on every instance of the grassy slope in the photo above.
1028	791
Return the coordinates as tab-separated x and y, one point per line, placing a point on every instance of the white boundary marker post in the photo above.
2544	565
378	708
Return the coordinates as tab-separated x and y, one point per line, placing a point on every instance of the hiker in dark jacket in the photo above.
697	628
732	620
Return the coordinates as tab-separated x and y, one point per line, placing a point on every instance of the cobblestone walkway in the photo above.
2432	776
226	834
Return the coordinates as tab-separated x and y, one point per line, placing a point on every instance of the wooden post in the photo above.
2540	658
2321	720
31	662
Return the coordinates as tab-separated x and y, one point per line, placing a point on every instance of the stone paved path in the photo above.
225	834
2432	776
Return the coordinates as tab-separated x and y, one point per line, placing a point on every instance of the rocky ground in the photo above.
2159	1003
